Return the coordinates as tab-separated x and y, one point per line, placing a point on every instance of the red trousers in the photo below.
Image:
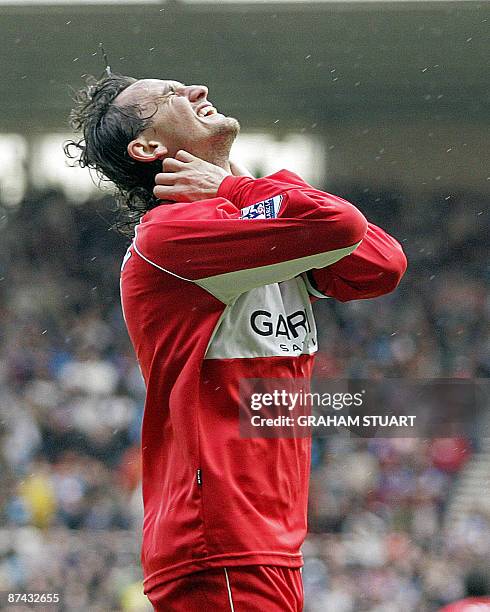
255	588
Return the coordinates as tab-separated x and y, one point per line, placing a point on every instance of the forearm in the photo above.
373	269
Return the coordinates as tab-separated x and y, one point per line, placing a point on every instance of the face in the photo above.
182	117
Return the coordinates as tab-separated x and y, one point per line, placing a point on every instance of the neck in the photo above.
222	162
216	150
216	156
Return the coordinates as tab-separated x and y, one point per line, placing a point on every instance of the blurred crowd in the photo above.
71	402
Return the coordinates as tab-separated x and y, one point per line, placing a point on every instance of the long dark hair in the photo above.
107	129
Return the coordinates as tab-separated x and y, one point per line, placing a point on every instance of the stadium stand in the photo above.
71	400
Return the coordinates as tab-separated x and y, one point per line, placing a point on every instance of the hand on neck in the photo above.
218	158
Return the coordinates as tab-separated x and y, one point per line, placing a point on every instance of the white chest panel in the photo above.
269	321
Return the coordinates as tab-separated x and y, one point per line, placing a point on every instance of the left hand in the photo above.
186	178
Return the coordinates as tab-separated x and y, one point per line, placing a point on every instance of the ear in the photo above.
144	150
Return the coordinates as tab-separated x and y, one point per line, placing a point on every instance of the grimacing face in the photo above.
181	118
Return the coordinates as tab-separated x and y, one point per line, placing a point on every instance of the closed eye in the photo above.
172	91
165	96
173	88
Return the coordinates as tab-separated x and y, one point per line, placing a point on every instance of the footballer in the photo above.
220	262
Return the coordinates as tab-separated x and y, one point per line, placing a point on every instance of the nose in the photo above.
195	92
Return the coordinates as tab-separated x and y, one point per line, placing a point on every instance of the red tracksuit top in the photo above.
470	604
218	290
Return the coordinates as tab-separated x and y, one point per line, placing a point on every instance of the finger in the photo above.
167	192
239	169
165	178
184	156
170	164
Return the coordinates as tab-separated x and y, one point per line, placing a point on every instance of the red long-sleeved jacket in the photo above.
213	292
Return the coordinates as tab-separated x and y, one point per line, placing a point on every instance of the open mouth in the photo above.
206	111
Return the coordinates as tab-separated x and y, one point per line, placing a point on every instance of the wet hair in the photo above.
107	129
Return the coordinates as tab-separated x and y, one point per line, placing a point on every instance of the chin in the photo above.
225	131
234	122
230	124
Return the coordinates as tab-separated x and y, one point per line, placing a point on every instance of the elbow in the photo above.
353	225
393	270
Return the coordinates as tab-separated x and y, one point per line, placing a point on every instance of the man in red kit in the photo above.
216	287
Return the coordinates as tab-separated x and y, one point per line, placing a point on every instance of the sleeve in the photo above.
373	269
256	232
